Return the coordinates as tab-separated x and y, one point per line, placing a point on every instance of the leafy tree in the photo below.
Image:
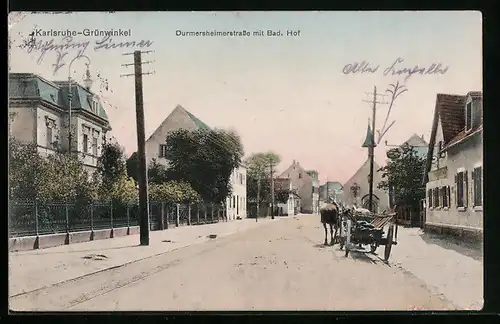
404	175
258	171
157	173
205	159
133	166
173	192
111	165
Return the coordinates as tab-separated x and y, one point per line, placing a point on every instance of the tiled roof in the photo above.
197	121
451	112
23	85
462	135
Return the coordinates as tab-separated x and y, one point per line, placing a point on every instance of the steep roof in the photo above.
179	118
449	110
367	161
29	85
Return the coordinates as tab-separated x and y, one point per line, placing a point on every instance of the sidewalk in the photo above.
30	270
447	268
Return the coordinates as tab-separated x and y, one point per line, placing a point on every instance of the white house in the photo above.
292	205
454	177
236	204
307	187
39	113
180	118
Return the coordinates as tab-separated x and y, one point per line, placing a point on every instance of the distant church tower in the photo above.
369	140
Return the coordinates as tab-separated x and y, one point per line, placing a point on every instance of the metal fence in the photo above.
30	218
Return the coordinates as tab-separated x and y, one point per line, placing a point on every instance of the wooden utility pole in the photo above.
371	148
141	147
272	187
258	198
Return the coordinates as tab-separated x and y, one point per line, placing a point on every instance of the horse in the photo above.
330	214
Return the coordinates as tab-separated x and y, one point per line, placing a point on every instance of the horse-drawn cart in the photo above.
358	229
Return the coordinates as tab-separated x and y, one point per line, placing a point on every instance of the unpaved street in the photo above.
280	266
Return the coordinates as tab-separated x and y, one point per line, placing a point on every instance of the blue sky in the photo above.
286	94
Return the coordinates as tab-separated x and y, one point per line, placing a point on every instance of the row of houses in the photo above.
453	174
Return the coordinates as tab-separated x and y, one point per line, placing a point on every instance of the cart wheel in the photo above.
388	245
373	247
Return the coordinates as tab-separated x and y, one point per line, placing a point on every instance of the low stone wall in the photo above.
466	234
26	243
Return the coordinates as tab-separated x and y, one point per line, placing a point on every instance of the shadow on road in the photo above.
471	250
363	256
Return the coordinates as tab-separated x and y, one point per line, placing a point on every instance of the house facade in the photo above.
303	182
330	191
180	118
454	177
237	203
315	190
291	206
39	113
356	190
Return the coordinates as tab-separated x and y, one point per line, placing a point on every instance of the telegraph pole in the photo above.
272	188
258	197
141	146
371	148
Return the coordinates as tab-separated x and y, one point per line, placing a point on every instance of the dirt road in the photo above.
281	266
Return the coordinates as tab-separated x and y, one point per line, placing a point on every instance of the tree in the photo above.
111	164
403	174
157	173
205	159
258	170
133	166
173	192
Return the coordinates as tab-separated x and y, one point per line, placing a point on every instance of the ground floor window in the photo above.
461	185
429	198
477	180
445	196
435	198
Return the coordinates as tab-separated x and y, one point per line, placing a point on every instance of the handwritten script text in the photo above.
365	67
67	49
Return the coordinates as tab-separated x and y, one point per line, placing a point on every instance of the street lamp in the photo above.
70	95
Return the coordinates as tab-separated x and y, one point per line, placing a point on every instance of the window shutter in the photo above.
449	196
466	189
473	187
456	190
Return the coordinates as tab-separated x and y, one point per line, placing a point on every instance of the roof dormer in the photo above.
473	111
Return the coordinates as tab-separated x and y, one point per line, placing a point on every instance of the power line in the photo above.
141	146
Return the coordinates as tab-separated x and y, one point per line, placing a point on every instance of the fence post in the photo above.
111	219
204	213
67	223
177	216
198	214
212	214
167	216
189	214
128	218
162	216
37	239
91	220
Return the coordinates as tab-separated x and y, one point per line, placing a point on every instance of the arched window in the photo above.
365	201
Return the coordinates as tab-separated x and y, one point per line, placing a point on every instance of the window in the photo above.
95	106
477	180
468	116
94	146
85	143
429	198
241	178
234	201
50	141
435	197
300	175
461	183
163	151
445	196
